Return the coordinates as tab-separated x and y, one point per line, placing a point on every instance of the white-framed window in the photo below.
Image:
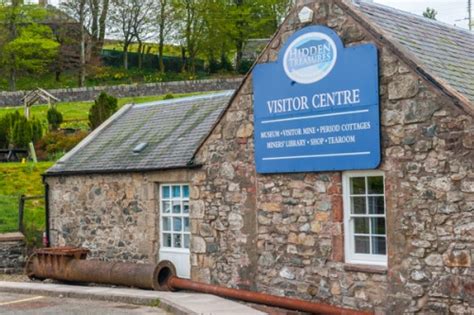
174	217
365	230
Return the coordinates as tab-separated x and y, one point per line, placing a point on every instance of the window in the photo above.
364	218
174	210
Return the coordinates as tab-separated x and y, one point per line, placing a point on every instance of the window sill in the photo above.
381	270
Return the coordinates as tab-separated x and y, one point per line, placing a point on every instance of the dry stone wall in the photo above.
119	91
12	253
283	234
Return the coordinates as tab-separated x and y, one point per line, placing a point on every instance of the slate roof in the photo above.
172	129
445	51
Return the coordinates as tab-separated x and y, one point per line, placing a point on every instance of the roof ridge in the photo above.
212	95
421	17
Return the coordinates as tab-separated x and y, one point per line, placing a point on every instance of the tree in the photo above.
98	10
25	46
104	106
143	24
121	22
79	10
191	27
430	13
254	19
164	22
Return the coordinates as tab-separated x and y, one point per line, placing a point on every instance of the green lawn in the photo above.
75	114
18	179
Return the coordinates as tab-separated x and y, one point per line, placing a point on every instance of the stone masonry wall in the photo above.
12	253
283	233
115	216
119	91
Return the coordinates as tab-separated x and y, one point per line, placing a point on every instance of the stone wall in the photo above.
12	253
114	216
283	233
119	91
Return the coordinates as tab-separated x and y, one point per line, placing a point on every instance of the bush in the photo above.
22	133
55	118
104	106
37	129
54	144
7	123
168	97
245	66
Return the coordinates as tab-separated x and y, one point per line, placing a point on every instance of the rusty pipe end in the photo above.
164	271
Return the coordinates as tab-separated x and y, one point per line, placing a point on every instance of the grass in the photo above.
75	114
18	179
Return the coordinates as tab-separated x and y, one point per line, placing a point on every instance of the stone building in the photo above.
396	237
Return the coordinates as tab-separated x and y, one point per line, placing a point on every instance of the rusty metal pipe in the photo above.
70	265
168	281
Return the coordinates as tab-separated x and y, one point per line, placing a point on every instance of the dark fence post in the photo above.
21	209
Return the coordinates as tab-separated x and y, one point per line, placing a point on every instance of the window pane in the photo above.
165	191
357	185
358	205
378	245
378	226
186	224
166	240
176	207
186	240
177	240
185	206
375	185
166	207
185	191
176	191
361	226
376	205
177	224
362	245
166	224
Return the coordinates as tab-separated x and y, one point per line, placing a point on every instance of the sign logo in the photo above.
310	57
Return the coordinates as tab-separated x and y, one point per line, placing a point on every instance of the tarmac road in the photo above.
13	304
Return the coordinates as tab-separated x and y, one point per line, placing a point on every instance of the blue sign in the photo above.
317	107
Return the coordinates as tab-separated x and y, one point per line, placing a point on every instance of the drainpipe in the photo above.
46	236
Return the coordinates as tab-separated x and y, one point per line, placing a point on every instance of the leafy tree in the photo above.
55	118
430	13
104	106
25	45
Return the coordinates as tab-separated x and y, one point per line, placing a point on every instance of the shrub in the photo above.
7	123
245	66
168	97
37	129
104	106
54	144
55	118
22	133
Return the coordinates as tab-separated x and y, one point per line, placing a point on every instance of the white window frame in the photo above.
164	248
349	247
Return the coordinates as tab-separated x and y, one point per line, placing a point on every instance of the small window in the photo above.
174	213
365	218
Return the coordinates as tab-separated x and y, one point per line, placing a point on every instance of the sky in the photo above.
449	11
453	12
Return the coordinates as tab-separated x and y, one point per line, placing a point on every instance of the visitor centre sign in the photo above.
317	107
